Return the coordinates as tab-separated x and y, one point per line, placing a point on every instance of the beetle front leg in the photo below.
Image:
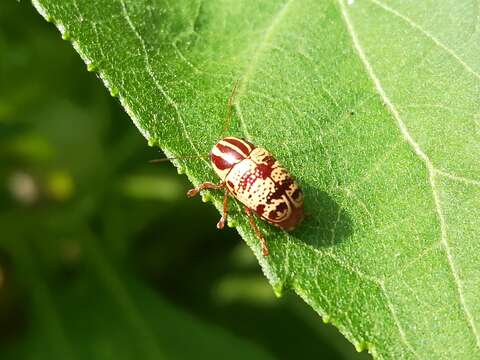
223	219
259	234
205	185
212	186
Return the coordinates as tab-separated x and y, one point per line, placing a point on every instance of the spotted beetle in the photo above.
255	178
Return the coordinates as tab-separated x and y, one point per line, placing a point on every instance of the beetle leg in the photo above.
210	185
223	219
203	186
257	231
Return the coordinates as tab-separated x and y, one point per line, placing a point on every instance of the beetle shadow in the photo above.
325	218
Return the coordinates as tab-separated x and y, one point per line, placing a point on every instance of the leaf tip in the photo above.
66	36
152	142
364	345
278	289
91	67
232	223
113	91
206	197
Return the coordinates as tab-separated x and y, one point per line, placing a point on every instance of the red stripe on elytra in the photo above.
219	162
234	154
243	145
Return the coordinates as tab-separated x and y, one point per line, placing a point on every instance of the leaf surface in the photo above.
373	106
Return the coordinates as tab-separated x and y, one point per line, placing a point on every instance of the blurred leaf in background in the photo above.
96	260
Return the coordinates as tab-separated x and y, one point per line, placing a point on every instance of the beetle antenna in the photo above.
156	161
230	104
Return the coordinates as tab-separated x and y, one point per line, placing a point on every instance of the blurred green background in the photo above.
101	254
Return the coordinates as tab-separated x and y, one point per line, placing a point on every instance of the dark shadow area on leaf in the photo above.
331	222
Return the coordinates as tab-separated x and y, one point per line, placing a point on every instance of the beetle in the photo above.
254	177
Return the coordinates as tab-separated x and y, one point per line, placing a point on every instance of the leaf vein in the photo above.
343	264
437	42
457	178
152	75
424	252
429	165
401	331
256	57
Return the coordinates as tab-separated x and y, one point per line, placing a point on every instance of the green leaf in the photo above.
373	106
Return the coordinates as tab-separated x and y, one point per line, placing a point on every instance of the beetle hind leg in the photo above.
258	233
